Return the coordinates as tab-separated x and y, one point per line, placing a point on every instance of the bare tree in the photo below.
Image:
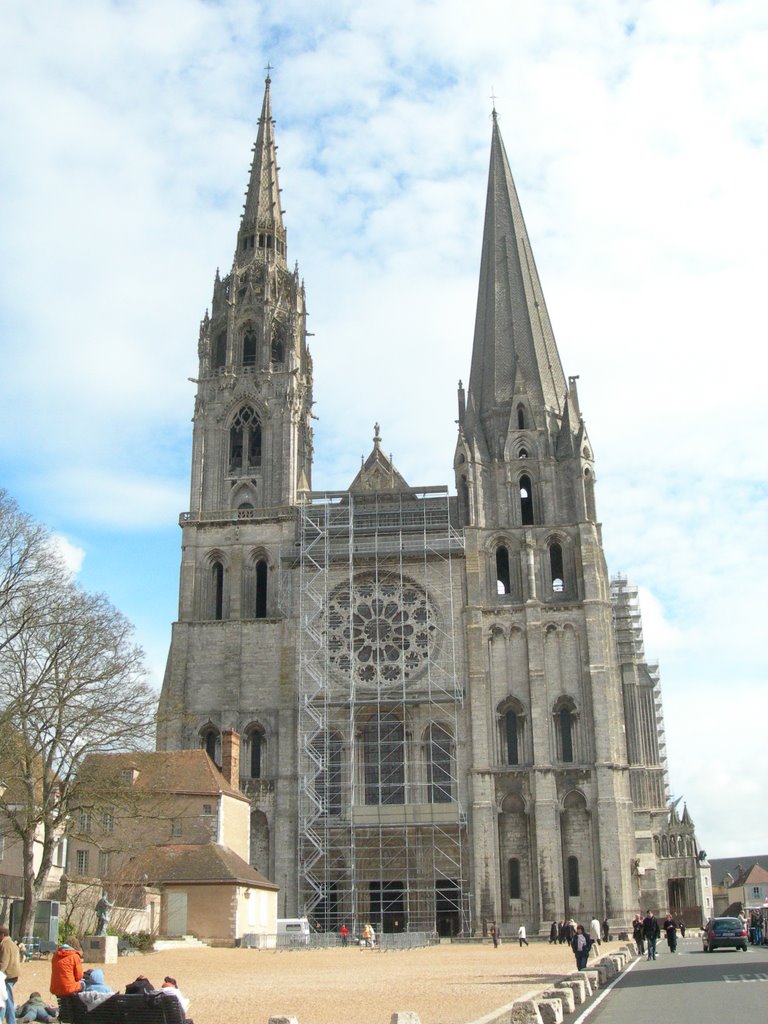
29	567
72	684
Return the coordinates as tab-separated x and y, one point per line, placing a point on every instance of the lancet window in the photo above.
384	760
245	441
440	757
503	583
526	501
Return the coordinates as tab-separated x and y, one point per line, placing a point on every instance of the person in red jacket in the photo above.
66	971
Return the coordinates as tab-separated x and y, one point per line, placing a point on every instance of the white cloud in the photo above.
71	554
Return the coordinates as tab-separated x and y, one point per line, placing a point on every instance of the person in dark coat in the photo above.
651	933
553	933
637	933
670	930
581	944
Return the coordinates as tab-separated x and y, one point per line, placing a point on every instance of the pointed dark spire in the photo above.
514	344
261	226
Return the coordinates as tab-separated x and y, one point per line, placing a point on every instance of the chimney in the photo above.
230	757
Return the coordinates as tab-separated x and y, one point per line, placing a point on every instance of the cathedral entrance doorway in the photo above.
388	906
447	904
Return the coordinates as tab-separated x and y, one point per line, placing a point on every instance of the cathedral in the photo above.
438	703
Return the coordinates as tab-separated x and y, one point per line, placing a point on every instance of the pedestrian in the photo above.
606	930
580	944
650	933
521	936
561	932
344	935
495	935
553	933
670	930
10	965
637	933
595	934
681	926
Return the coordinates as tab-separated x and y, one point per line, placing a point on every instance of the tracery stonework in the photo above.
381	630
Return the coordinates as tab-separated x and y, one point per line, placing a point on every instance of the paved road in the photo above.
708	988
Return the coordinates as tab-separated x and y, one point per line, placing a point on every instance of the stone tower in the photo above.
443	713
549	772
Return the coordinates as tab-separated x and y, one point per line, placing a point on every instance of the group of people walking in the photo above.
647	930
564	931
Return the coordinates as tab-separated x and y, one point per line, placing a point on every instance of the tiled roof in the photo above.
168	771
736	867
197	864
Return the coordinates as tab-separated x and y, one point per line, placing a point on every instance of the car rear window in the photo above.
727	927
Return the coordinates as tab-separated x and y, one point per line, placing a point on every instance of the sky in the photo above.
636	133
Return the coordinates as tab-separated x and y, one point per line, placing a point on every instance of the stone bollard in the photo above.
405	1017
551	1010
587	982
594	977
602	972
565	995
525	1012
577	987
609	965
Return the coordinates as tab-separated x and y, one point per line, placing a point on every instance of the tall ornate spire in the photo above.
514	347
261	226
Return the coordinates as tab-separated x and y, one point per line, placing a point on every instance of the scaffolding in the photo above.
382	825
628	627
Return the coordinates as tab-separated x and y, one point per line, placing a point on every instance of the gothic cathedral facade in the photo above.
441	703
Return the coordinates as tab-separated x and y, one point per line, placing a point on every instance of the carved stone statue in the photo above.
103	908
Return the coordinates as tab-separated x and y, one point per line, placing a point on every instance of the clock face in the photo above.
380	629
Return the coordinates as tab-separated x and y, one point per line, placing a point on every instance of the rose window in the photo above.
380	629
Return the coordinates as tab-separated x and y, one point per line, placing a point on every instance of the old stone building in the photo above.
445	713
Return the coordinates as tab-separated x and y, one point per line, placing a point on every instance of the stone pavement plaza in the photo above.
445	984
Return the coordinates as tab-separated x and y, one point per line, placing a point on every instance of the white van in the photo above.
293	931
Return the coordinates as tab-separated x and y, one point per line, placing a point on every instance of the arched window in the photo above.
256	752
566	736
261	589
277	354
439	765
245	440
526	501
217	590
514	878
511	735
219	353
209	741
520	418
565	714
249	348
557	574
664	846
384	760
503	585
574	888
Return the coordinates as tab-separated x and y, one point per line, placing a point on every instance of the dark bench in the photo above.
144	1008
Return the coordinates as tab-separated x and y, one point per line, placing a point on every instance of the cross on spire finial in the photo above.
493	99
270	67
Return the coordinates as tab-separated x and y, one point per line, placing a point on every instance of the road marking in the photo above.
736	978
605	991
